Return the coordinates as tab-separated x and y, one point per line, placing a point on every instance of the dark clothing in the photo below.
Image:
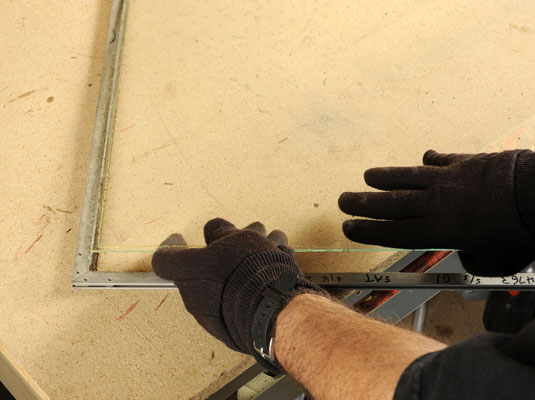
486	366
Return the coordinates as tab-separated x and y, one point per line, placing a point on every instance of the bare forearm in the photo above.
337	353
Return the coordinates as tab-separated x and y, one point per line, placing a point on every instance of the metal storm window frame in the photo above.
86	274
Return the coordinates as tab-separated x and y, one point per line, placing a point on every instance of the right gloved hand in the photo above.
223	284
482	203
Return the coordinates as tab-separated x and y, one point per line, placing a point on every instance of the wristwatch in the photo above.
274	298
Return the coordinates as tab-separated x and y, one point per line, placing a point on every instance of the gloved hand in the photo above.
222	284
483	203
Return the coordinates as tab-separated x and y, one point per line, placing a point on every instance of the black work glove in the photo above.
483	203
222	284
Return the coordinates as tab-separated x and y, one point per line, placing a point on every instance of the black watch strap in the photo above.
273	298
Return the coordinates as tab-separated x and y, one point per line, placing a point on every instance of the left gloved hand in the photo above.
480	203
223	284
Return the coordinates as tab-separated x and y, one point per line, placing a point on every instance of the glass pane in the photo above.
269	110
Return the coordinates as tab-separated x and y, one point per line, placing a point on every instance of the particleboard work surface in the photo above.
269	110
80	344
76	344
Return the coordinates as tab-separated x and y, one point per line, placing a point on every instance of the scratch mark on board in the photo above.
17	253
21	96
48	208
128	311
193	171
88	56
519	28
161	302
153	151
63	211
173	139
40	219
163	146
128	127
134	326
33	243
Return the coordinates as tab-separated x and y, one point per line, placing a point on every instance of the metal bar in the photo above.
360	294
85	260
285	387
149	280
404	302
419	318
226	391
428	280
122	280
450	279
362	280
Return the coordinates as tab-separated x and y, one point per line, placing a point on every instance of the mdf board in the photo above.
17	380
270	110
76	344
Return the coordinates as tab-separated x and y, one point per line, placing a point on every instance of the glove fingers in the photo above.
278	238
217	228
396	204
167	261
431	157
287	249
402	234
175	240
257	227
394	178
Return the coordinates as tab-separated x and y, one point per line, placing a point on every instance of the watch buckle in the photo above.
269	356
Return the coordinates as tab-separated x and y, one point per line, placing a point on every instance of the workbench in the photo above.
80	344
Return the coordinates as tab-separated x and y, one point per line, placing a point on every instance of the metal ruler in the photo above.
422	273
428	280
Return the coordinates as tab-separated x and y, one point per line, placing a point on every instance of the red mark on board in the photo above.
33	243
60	167
161	302
510	141
128	127
17	253
40	219
128	310
121	236
153	220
